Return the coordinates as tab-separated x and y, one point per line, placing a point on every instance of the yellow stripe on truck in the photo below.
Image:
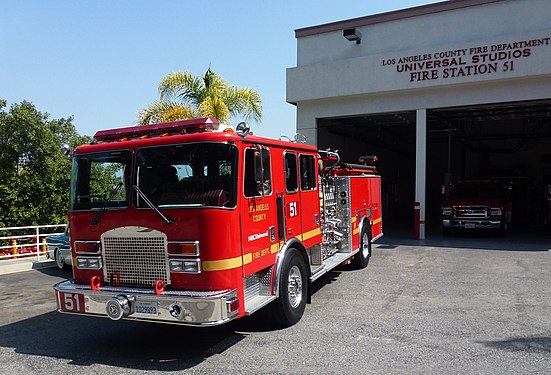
228	264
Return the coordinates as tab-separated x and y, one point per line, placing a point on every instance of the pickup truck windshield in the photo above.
187	175
100	180
477	191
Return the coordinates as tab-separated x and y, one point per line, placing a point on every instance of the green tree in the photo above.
184	96
34	175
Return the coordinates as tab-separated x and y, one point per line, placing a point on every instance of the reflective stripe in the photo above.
377	221
310	234
226	264
275	247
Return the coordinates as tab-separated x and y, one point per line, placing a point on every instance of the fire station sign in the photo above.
478	60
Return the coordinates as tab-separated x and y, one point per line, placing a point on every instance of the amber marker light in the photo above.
87	247
184	248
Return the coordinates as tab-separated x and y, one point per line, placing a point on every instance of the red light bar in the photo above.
177	127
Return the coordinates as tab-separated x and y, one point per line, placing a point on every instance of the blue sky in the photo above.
101	61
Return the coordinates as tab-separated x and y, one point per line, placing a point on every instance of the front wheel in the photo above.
361	259
293	291
59	261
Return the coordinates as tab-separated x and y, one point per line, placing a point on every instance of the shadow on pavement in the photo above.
86	341
534	344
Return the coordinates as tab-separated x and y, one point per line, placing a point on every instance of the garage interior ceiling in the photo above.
502	121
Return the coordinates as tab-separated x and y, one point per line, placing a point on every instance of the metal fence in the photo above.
25	242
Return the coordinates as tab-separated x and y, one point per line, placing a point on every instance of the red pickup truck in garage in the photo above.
476	205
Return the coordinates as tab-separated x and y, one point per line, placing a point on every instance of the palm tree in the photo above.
184	96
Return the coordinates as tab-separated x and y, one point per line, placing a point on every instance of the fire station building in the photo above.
450	91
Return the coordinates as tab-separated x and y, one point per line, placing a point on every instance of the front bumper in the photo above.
472	224
197	308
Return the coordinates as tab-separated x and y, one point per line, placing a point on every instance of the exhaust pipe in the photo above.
118	307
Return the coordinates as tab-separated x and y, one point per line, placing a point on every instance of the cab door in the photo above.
309	200
293	209
258	213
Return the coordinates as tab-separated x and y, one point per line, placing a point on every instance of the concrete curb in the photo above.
21	265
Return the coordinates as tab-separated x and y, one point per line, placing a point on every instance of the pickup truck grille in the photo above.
134	256
471	212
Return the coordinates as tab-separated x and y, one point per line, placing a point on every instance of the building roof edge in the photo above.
391	16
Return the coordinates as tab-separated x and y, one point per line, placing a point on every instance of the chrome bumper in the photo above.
177	307
472	224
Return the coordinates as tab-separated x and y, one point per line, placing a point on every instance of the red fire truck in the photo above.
193	223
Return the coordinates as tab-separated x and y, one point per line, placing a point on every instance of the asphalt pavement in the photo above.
471	306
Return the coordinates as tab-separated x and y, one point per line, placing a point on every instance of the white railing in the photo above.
29	241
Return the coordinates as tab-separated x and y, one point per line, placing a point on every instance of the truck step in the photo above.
256	303
329	264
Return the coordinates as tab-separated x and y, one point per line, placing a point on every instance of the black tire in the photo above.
59	261
293	291
361	258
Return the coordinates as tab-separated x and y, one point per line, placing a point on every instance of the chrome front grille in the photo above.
472	212
135	256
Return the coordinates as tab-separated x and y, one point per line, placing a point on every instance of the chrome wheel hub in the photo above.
294	287
59	259
365	246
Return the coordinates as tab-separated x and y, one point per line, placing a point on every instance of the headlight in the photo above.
185	266
496	211
446	211
88	263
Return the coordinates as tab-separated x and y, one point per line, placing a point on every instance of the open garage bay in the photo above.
503	142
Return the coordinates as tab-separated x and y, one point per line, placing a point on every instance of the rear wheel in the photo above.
361	259
293	291
59	261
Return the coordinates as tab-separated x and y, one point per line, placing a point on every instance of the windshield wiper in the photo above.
116	189
151	205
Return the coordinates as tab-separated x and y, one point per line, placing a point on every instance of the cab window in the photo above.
291	179
257	172
307	172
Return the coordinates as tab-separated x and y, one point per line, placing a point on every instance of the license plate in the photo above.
71	302
469	225
146	308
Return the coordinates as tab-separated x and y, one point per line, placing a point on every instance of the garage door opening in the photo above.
391	137
505	142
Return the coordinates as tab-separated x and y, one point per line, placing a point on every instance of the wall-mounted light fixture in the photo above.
352	35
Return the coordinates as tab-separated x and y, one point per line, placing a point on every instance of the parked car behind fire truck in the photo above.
59	249
184	223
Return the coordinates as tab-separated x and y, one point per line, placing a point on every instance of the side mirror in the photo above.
300	138
263	188
258	167
66	150
242	129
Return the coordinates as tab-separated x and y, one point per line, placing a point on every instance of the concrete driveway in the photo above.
465	306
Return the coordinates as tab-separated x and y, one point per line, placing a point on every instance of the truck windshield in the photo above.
477	191
99	180
187	175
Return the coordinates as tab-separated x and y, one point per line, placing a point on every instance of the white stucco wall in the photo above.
335	77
